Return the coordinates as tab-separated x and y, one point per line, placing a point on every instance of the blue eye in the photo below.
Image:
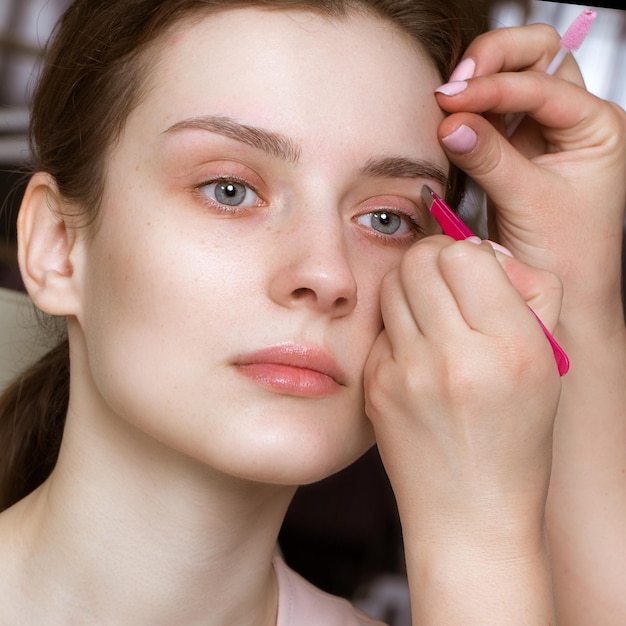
384	222
231	193
388	223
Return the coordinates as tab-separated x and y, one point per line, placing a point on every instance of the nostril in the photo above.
304	292
301	292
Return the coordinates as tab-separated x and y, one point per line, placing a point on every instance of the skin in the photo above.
172	292
316	271
558	201
170	295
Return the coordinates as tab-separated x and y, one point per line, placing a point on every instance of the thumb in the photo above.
474	145
542	290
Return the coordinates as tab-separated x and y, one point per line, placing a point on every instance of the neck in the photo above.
138	534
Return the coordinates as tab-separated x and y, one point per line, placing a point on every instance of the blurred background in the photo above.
25	26
343	534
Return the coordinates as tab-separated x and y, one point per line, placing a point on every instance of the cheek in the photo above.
158	297
133	297
370	266
153	272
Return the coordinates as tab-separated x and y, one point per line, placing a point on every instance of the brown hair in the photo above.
94	74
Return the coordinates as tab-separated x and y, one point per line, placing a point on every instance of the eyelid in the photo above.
225	207
408	219
225	178
228	169
416	230
412	208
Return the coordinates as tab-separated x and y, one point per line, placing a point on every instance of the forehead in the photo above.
307	75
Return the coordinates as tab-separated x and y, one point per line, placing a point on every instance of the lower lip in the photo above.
292	381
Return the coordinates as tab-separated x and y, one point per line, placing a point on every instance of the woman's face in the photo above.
259	193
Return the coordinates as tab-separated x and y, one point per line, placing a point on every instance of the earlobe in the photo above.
46	242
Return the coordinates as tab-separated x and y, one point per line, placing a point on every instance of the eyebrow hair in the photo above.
401	167
282	147
272	143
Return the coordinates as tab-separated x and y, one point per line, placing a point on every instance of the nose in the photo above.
312	266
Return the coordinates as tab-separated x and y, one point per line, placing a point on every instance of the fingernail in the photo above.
451	89
492	244
462	140
498	248
463	71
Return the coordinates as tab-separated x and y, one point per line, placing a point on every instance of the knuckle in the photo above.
488	160
614	126
618	119
553	285
549	32
384	387
550	35
463	380
462	254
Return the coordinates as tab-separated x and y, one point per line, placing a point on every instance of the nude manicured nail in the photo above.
451	89
462	140
492	244
498	248
463	71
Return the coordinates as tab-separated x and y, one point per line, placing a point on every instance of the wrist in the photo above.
482	583
498	531
593	329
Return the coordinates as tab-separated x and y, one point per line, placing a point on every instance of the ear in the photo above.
46	247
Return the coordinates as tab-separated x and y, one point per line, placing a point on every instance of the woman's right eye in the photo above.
231	193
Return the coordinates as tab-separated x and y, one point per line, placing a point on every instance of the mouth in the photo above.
294	370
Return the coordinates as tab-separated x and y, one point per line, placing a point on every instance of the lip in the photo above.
293	369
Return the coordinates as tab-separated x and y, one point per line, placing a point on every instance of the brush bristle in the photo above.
576	33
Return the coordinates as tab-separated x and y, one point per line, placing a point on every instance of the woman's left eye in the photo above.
230	193
389	223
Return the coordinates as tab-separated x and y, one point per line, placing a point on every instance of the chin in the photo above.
290	462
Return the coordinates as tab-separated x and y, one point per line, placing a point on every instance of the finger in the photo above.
541	290
485	296
556	104
493	306
473	145
398	319
518	48
415	300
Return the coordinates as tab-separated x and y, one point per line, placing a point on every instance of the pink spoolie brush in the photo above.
571	41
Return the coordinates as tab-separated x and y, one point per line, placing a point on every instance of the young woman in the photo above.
221	189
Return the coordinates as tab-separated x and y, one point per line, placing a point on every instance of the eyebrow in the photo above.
270	142
282	147
401	167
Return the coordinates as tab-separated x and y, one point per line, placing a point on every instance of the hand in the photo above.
462	389
558	184
559	191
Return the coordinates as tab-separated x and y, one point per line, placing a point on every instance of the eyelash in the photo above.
214	203
417	231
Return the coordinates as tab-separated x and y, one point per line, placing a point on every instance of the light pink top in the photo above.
302	604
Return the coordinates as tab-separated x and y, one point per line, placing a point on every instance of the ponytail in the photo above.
32	417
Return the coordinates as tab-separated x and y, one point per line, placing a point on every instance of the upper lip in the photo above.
296	355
